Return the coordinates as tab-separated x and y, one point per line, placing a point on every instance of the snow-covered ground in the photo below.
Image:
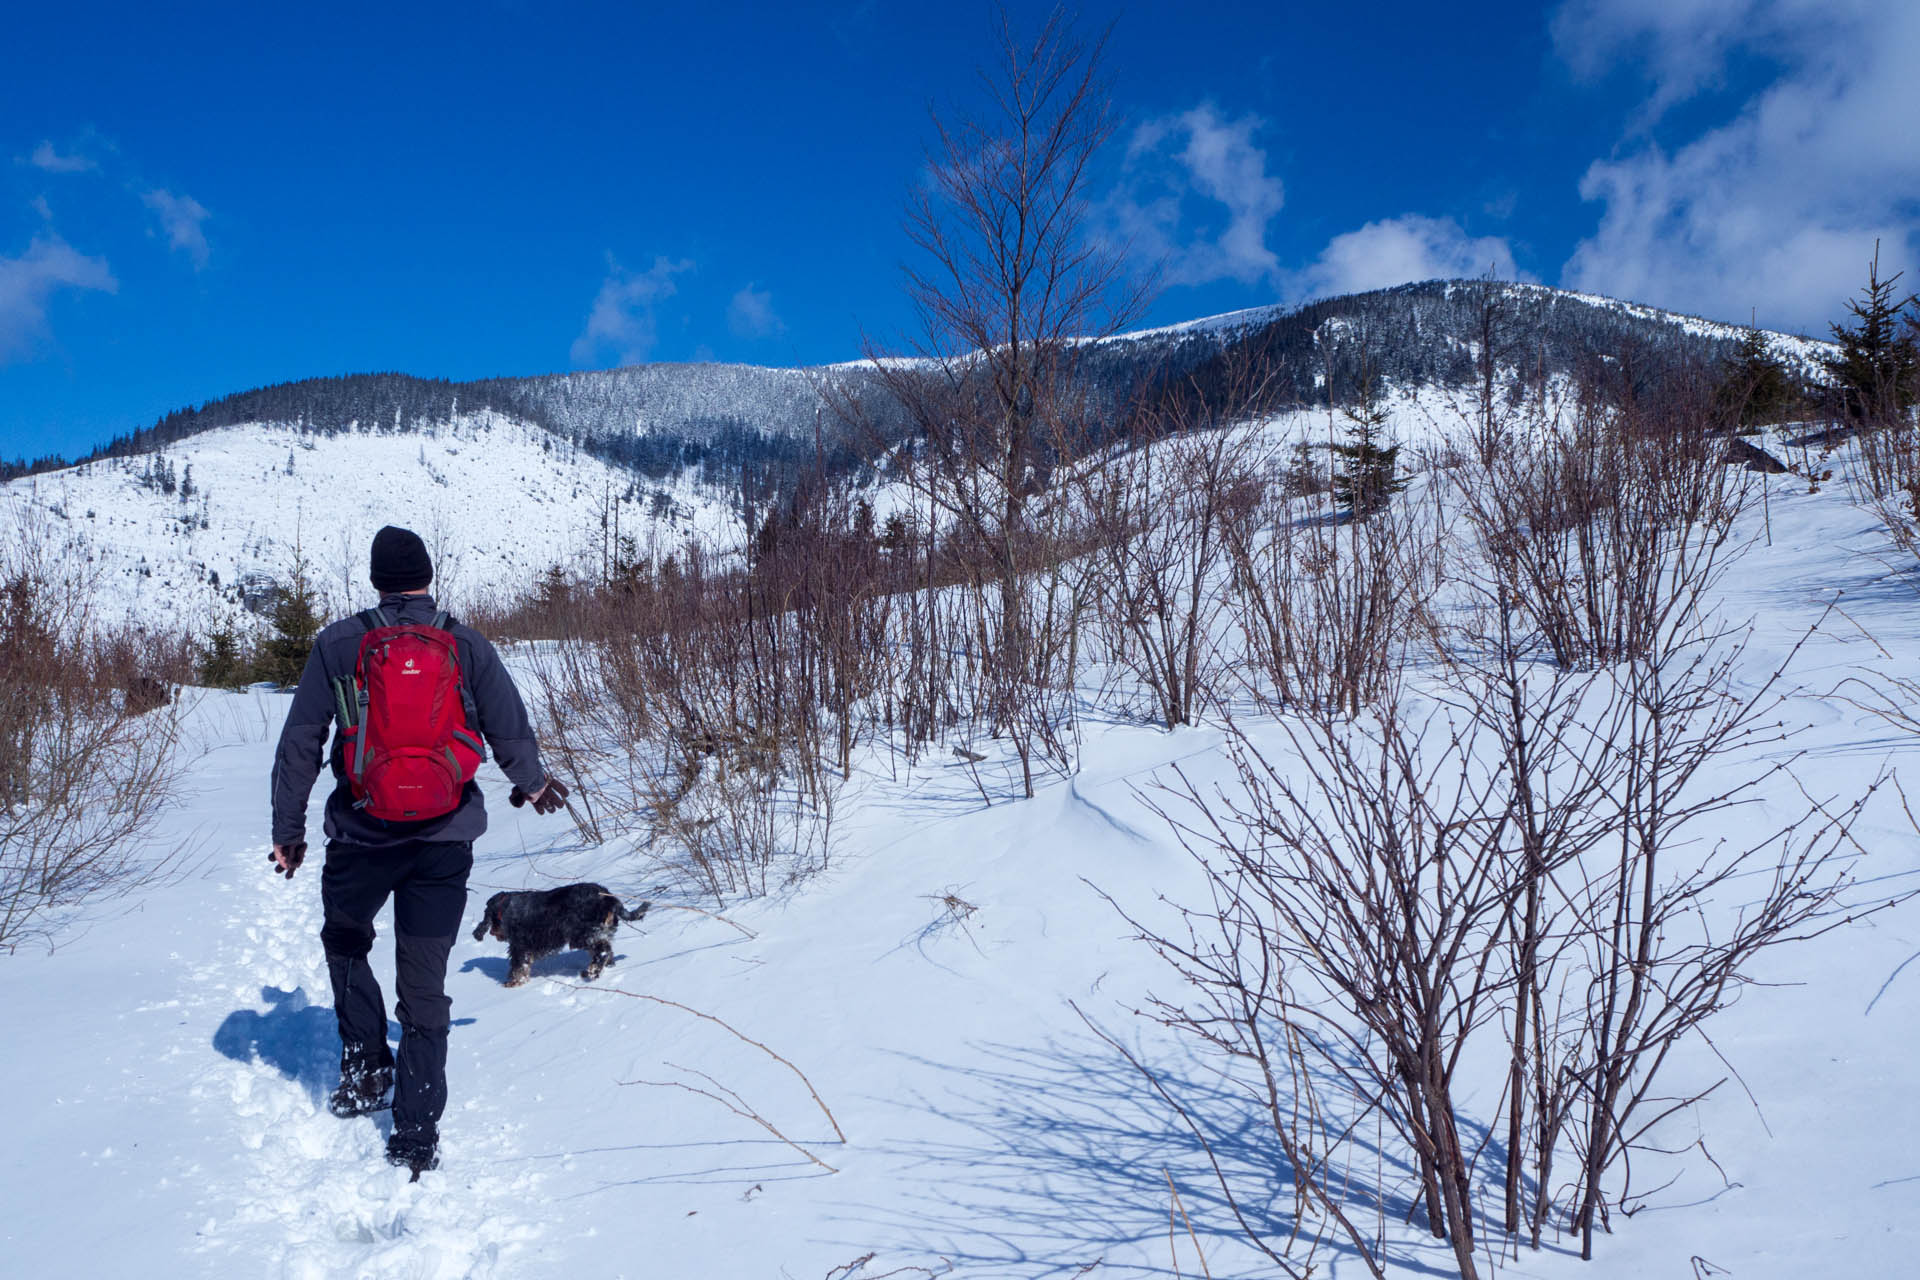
165	1067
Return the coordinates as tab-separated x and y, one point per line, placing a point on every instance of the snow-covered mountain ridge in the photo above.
658	417
186	522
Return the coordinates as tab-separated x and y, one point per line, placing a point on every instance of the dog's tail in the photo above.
634	914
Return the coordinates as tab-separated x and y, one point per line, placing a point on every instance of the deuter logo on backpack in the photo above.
410	745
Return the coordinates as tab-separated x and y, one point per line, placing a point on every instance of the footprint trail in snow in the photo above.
312	1191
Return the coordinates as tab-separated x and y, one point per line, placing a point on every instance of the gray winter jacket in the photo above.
503	723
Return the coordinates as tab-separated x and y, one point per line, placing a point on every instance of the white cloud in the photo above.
1398	250
26	282
1682	45
751	315
622	320
46	156
1778	207
1196	198
181	218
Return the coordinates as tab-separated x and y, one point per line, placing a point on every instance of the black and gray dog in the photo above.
540	922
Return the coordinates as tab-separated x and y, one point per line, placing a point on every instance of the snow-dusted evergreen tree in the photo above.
221	665
1755	386
296	621
1876	373
1366	481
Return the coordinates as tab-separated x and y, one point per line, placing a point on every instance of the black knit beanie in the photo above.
400	561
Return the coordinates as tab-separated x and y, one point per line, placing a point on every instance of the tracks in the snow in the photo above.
309	1195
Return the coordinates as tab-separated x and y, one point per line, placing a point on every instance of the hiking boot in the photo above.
365	1078
415	1151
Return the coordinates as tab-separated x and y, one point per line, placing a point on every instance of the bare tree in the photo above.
1503	322
347	563
1009	287
448	549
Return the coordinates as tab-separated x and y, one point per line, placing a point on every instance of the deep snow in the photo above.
165	1067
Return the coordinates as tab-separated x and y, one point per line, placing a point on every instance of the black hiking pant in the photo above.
428	884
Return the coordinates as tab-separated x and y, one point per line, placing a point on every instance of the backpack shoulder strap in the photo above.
442	621
375	618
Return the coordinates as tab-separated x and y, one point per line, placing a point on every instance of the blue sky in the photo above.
196	200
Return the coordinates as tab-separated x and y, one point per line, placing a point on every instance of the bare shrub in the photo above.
1510	869
1513	872
1357	891
1606	524
1326	608
1535	871
1885	477
715	706
1895	699
89	739
732	827
1160	516
1668	931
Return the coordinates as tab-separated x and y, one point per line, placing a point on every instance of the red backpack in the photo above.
406	721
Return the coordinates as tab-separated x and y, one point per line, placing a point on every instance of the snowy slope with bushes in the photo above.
951	994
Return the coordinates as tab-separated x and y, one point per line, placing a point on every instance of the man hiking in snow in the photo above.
411	692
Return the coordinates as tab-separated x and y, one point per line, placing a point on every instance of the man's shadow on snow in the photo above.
295	1037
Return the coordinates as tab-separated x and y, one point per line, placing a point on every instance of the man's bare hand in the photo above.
287	858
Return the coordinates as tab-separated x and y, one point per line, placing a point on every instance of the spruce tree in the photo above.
1755	387
1302	477
1877	368
897	535
553	593
296	621
1365	482
221	665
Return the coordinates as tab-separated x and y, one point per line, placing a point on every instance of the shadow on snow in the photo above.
295	1037
1055	1156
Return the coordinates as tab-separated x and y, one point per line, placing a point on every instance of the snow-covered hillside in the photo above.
497	501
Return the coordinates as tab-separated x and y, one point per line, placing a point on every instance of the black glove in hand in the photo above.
286	858
553	796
